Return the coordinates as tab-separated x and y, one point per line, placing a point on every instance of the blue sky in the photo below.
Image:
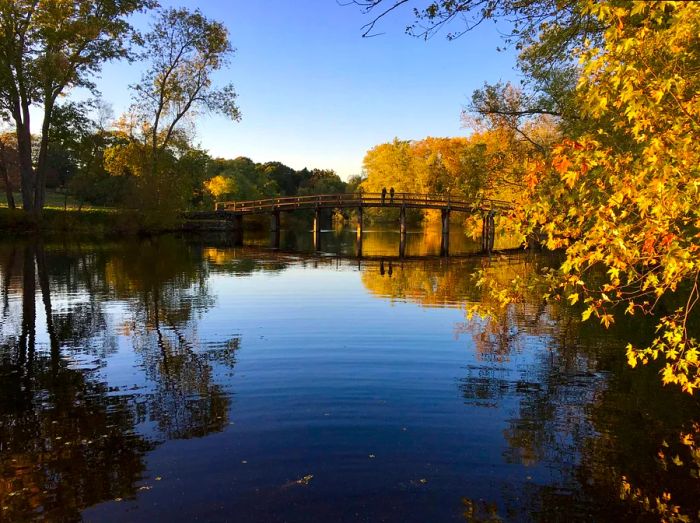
314	93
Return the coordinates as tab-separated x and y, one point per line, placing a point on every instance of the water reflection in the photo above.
70	438
108	352
376	241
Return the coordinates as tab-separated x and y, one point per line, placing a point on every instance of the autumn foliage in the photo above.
623	197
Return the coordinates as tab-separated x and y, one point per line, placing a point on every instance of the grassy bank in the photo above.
85	222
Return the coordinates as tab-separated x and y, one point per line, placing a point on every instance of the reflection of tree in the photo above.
430	282
592	424
166	287
581	416
605	442
479	511
66	444
447	282
73	448
235	261
66	440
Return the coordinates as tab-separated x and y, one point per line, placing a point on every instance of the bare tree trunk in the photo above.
41	164
26	170
8	187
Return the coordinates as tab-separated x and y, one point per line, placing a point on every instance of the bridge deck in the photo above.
341	201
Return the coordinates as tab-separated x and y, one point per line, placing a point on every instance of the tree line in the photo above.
145	158
489	163
88	161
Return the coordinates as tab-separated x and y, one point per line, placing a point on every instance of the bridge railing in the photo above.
358	200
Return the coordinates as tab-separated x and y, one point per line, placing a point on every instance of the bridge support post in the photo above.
358	244
402	232
275	239
317	229
317	220
445	241
488	232
238	229
275	221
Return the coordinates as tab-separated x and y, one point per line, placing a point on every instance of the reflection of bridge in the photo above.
234	211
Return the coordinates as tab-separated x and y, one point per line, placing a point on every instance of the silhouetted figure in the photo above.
391	195
391	270
381	267
383	195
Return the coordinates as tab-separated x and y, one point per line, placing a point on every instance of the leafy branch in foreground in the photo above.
624	196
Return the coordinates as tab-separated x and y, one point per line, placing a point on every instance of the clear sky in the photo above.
314	93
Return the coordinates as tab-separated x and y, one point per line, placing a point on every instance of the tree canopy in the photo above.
47	48
624	194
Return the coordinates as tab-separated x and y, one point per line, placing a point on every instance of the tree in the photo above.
388	165
85	141
47	48
624	197
353	184
219	186
286	178
185	49
239	179
69	143
488	164
322	181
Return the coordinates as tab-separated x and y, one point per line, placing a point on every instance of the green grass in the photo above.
54	200
73	222
64	216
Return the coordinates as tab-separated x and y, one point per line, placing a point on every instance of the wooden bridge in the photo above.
487	208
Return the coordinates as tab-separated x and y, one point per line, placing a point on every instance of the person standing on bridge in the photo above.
391	195
383	195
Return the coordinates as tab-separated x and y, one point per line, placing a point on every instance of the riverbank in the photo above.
91	222
99	222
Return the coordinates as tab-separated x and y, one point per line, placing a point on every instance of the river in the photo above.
181	379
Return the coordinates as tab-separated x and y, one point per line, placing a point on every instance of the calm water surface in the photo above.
179	380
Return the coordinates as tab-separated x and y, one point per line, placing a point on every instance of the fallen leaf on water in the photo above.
423	481
305	480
